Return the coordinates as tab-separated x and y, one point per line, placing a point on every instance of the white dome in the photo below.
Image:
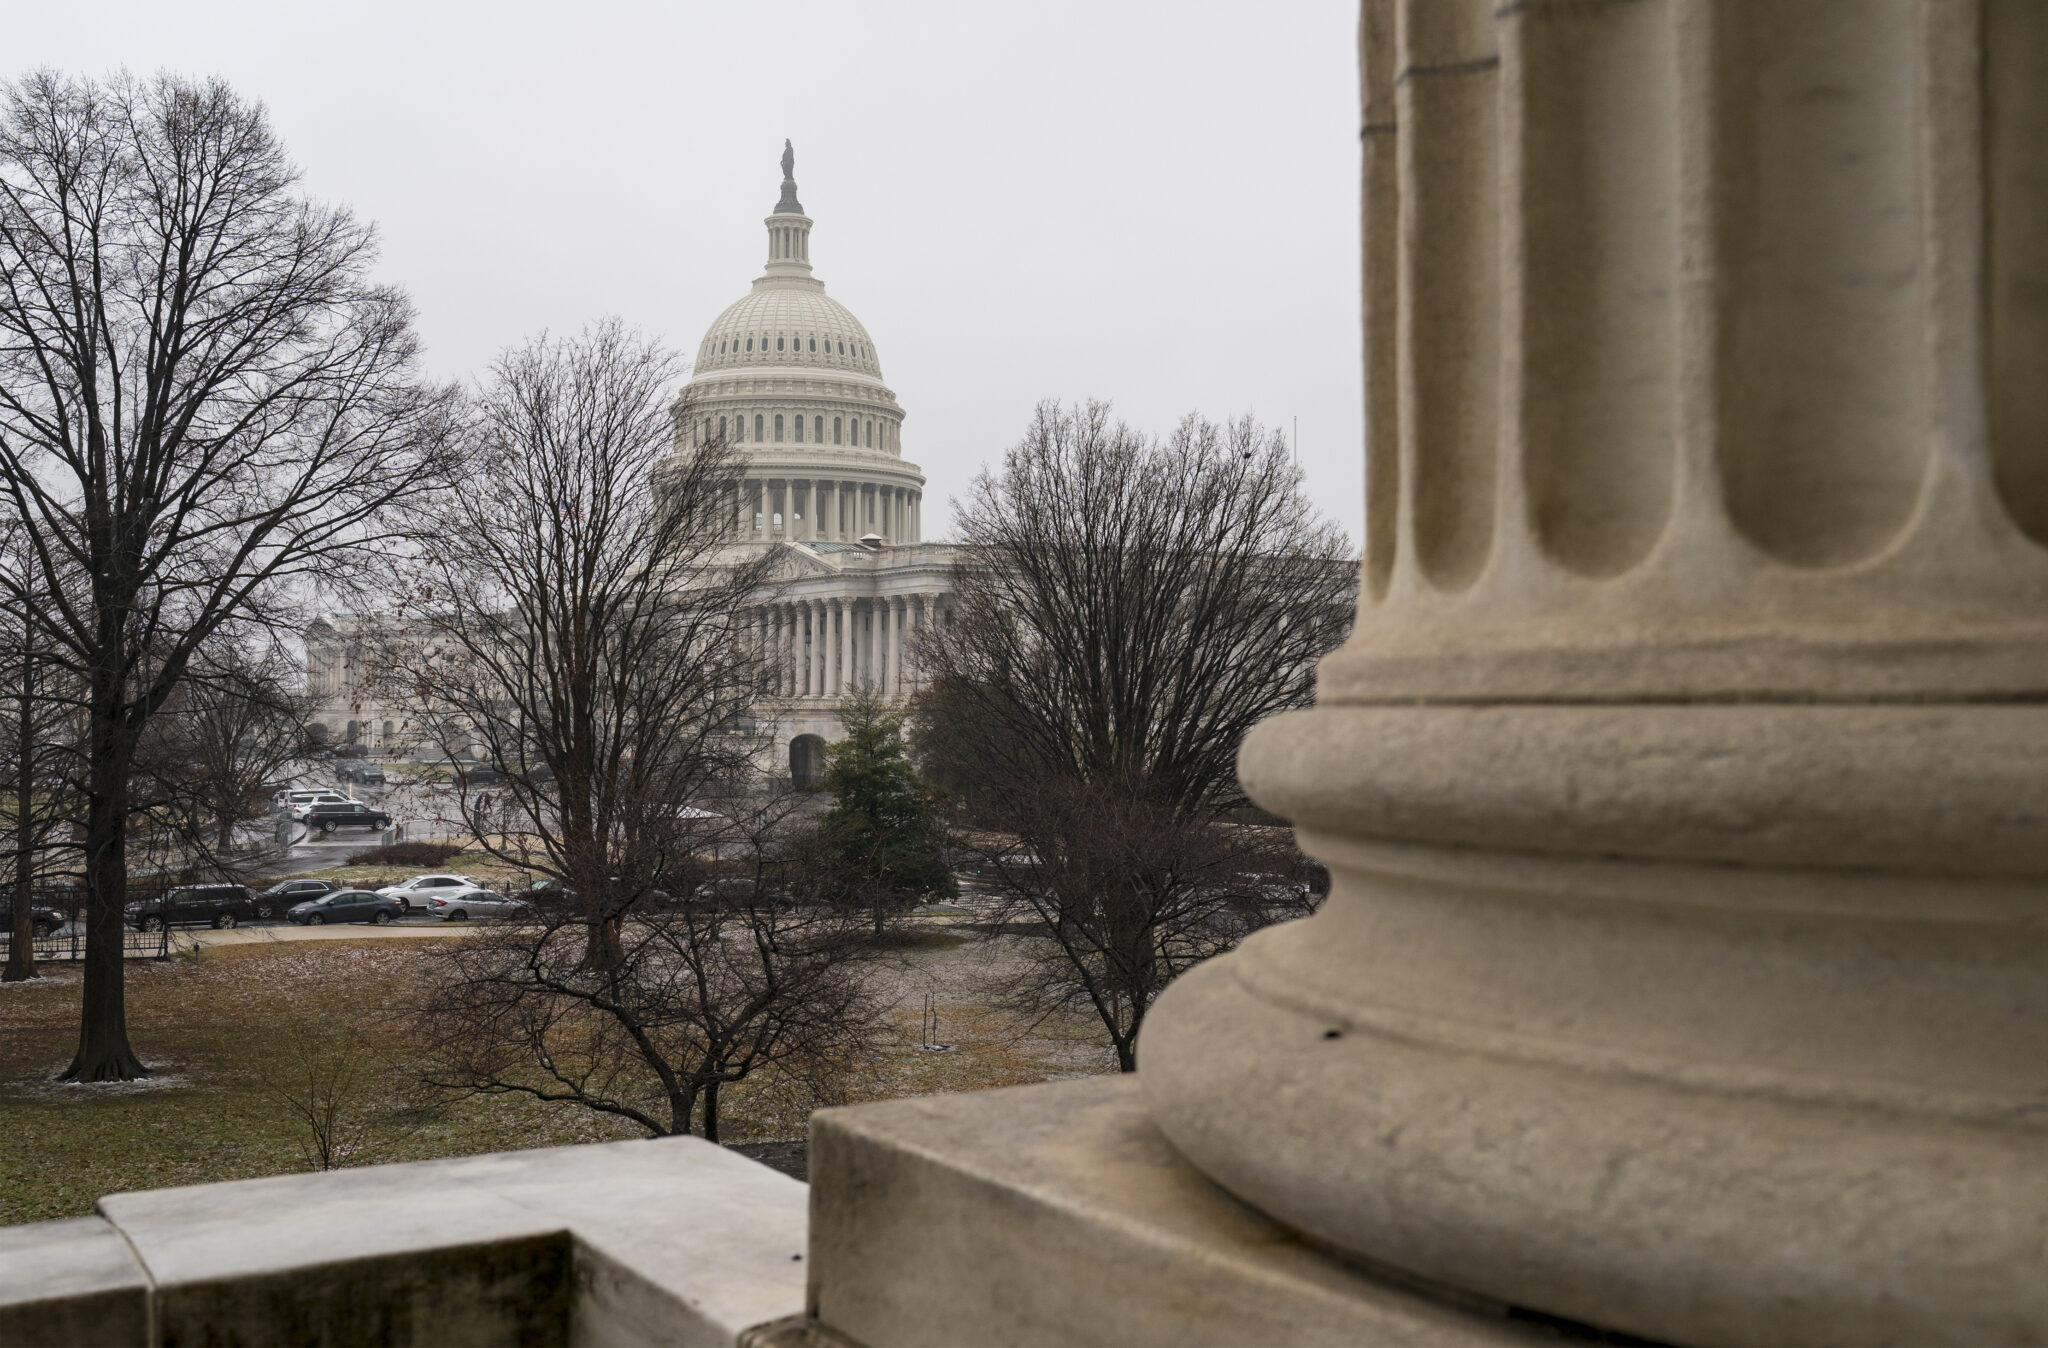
788	321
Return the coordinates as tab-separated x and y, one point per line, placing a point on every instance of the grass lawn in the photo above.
219	1025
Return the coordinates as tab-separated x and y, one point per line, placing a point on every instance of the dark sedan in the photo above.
346	905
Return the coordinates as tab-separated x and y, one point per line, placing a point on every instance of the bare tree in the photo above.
731	978
222	741
206	407
1131	607
36	725
578	613
1124	893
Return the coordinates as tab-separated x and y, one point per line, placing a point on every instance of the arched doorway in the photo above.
806	762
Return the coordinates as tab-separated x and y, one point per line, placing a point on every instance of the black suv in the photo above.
193	905
277	900
345	814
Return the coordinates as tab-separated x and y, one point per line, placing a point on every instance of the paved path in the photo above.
201	937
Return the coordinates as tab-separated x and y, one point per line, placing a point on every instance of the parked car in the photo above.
327	817
363	774
346	905
290	802
478	774
421	888
193	906
277	900
470	903
559	890
42	918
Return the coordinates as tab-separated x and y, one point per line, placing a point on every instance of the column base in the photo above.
1058	1214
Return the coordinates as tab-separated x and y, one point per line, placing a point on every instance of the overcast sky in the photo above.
1153	203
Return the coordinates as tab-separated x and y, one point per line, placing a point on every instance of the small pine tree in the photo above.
883	836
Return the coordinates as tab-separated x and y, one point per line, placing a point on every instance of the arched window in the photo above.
814	344
750	344
778	343
721	428
818	429
778	427
757	426
835	430
871	435
799	430
842	348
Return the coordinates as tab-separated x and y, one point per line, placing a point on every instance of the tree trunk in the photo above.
711	1111
103	1050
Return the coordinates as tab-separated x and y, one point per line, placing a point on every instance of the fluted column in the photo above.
885	646
1685	969
786	618
899	610
846	676
831	613
818	644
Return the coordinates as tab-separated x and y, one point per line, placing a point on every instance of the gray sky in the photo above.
1151	203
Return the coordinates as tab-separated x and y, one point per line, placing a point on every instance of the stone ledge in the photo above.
671	1240
1059	1214
71	1282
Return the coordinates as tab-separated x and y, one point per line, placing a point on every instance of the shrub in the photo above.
405	854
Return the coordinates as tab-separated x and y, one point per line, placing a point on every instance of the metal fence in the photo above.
66	941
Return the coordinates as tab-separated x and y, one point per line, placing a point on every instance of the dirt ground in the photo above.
227	1027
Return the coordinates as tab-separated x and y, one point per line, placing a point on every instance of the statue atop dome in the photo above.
789	205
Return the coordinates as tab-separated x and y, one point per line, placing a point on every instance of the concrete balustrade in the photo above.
672	1240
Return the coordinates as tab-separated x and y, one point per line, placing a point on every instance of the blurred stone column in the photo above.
1686	966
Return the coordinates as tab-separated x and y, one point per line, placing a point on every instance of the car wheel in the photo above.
381	919
152	924
317	920
326	829
457	915
223	921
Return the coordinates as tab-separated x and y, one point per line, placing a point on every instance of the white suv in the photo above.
296	803
416	892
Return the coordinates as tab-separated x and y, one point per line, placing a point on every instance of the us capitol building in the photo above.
789	376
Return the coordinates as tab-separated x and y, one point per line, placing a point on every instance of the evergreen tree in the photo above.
883	836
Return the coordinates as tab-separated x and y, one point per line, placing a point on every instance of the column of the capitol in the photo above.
1685	782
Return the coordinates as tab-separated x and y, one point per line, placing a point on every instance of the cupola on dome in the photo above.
787	318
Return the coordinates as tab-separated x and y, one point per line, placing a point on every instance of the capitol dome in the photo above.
788	375
821	332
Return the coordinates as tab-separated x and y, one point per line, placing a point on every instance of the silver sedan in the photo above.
468	903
